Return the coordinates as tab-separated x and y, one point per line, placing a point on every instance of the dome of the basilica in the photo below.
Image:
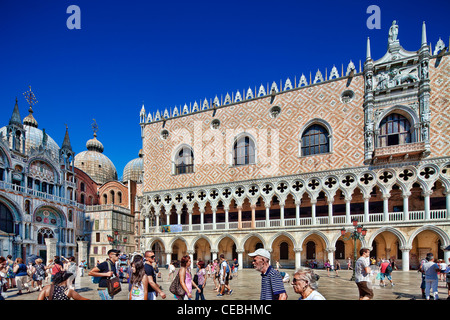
34	139
133	169
98	166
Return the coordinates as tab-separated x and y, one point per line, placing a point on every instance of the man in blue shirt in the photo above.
272	287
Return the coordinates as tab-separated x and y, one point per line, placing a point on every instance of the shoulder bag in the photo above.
113	284
176	287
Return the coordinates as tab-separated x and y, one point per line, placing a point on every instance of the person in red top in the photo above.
385	270
56	267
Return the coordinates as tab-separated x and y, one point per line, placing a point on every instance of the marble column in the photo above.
298	257
253	207
214	216
267	215
313	211
330	210
240	258
447	206
51	248
386	207
83	251
347	211
406	206
330	255
366	208
405	258
239	217
282	214
426	201
297	212
227	224
202	218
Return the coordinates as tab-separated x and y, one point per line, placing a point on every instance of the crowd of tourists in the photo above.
139	273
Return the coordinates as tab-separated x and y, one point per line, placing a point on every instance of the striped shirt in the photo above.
271	284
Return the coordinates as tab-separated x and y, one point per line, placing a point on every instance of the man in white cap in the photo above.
272	287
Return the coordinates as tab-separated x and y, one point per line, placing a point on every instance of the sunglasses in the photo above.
151	257
295	280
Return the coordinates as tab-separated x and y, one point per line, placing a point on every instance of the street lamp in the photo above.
359	233
113	239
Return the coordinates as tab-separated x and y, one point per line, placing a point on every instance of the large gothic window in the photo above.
395	129
315	140
6	219
184	161
244	151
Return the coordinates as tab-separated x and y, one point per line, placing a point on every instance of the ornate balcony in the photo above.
401	150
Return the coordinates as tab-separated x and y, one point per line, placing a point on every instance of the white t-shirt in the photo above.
360	272
171	268
222	266
315	295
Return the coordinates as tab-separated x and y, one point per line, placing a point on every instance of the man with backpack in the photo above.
386	270
224	276
105	271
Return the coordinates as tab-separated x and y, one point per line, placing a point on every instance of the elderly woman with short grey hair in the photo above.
305	283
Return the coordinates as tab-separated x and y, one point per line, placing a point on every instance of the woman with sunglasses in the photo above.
305	283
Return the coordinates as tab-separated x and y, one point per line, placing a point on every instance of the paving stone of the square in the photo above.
247	287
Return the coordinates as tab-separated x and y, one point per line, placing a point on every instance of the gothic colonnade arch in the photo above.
385	242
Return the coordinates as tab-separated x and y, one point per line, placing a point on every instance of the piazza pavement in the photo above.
246	286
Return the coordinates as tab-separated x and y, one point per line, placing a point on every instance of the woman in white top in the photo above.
139	280
305	283
171	271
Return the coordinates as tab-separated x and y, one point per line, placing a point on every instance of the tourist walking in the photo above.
328	266
186	278
272	287
224	276
201	282
216	275
20	270
337	267
59	289
305	283
349	264
442	268
10	276
39	274
153	288
71	267
236	268
362	275
3	281
138	280
385	272
106	270
431	269
171	271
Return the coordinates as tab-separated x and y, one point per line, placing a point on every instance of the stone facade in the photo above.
384	161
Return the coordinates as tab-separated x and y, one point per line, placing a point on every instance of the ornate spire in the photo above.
31	99
368	54
424	35
66	143
15	117
93	144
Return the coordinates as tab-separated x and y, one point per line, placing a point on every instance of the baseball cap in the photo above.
260	252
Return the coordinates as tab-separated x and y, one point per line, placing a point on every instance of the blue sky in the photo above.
169	53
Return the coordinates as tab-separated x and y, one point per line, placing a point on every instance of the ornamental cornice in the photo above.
426	171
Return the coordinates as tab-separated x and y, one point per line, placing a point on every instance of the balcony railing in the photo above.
374	218
107	207
42	195
401	149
